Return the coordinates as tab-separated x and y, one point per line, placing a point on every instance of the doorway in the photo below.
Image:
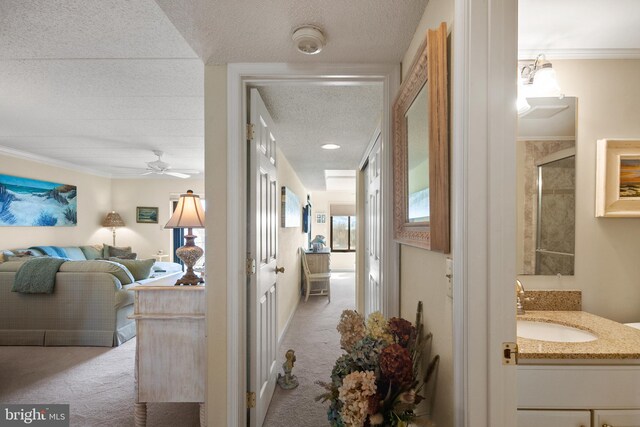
240	77
305	142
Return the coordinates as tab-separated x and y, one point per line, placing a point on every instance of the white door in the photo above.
617	418
550	418
373	232
262	246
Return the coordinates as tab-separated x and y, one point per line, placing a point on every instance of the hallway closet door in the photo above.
373	292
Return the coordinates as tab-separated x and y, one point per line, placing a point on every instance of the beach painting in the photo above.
29	202
290	209
629	177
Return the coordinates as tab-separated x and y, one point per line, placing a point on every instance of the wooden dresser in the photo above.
170	347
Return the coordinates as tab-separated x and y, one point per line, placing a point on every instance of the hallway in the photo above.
312	334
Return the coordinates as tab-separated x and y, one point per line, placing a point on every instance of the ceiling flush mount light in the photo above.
330	146
308	39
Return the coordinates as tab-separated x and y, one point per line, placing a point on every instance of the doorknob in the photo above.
279	270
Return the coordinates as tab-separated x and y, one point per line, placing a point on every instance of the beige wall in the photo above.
94	201
607	249
127	194
215	136
97	196
321	202
422	273
289	240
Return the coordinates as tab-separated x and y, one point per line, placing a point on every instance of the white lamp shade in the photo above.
545	83
522	104
188	212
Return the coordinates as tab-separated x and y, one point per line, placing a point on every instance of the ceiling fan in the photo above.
159	167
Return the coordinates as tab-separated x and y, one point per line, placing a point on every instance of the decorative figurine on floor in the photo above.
288	381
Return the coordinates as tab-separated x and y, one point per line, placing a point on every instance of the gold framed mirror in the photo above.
421	149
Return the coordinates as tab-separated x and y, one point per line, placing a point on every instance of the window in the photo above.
343	233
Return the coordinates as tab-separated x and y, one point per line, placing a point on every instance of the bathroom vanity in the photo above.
588	376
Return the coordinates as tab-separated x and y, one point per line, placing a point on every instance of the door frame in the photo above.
483	174
239	76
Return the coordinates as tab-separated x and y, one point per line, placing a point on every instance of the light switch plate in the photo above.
449	276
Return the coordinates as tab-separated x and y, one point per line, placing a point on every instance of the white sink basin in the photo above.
554	332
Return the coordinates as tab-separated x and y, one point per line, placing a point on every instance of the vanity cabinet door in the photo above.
544	418
621	418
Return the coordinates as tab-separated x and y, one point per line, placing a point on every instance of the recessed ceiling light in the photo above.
330	146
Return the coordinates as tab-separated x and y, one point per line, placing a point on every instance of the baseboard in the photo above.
286	325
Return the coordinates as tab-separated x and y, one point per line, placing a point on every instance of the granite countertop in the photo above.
615	340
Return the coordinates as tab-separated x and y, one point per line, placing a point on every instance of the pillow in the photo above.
119	271
140	269
4	255
74	253
132	255
24	252
115	251
92	251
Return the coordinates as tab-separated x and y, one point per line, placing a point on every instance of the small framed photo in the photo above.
618	178
146	215
321	218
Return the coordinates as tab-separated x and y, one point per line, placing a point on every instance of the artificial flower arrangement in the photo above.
375	383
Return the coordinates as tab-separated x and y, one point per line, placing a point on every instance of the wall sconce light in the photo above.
536	80
539	79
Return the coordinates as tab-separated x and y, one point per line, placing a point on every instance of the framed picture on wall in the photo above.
618	178
26	202
321	218
146	215
291	211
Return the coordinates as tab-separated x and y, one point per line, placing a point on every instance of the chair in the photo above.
311	278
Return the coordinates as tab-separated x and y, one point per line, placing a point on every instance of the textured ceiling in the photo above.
579	28
223	31
99	85
81	29
307	117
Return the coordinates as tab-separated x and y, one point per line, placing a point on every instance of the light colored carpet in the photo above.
313	336
97	382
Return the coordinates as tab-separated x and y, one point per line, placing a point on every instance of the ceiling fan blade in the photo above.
177	174
147	173
187	171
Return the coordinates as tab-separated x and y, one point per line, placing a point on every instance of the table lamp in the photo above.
188	214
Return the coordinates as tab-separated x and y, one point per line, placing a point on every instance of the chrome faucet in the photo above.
519	297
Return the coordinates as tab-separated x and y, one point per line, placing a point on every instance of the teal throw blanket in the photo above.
53	251
37	276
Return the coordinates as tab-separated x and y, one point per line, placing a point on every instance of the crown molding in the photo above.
531	54
51	162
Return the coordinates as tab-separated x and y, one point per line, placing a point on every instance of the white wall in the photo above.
607	249
94	201
289	240
321	202
422	272
127	194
